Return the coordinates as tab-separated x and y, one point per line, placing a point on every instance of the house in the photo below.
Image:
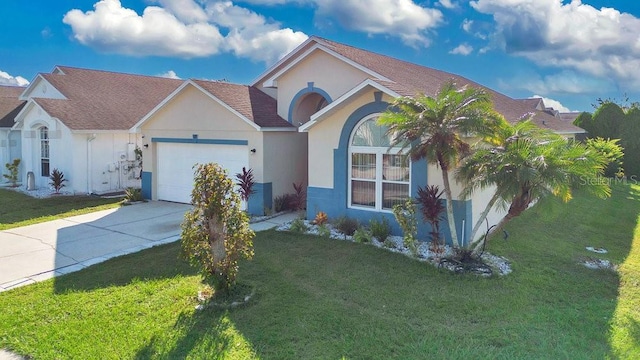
10	106
309	118
79	121
334	93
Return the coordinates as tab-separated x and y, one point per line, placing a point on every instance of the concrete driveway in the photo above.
38	252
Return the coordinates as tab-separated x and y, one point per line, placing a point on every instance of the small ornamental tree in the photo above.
246	183
216	233
57	180
13	168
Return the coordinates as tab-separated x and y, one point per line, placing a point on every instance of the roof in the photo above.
102	100
10	105
249	101
408	79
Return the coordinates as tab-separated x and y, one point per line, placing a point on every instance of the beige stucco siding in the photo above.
324	137
325	71
192	112
480	199
285	157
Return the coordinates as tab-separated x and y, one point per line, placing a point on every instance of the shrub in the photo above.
133	194
324	231
298	198
321	218
283	202
405	214
13	168
612	151
245	183
298	226
380	229
347	225
362	235
216	233
430	200
57	180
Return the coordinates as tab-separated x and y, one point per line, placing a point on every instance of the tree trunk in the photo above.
216	240
517	207
450	217
482	217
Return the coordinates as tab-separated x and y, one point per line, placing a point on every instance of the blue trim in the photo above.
146	185
195	140
261	199
309	89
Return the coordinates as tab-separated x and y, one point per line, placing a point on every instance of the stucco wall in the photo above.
10	148
285	156
325	71
480	199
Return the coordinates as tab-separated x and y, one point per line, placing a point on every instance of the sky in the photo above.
571	53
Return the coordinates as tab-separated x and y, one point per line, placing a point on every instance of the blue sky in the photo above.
570	52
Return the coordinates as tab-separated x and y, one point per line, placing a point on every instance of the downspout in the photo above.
89	179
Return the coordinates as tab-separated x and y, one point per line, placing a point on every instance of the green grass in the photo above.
328	299
17	209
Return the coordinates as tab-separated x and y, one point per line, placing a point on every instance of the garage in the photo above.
175	163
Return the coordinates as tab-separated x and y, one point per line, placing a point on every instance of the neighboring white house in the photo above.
10	106
78	121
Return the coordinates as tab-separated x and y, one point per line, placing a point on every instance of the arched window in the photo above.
43	135
379	176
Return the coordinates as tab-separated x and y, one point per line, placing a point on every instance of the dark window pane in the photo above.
393	194
363	193
363	166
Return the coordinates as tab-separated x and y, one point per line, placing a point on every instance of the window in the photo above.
379	175
44	151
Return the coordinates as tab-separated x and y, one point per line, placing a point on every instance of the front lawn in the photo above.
330	299
17	209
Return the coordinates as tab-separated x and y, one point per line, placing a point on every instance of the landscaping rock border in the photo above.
498	264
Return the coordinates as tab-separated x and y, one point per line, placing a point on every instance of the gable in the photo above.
41	88
190	111
323	71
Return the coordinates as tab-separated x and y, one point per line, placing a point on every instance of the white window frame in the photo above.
43	136
379	153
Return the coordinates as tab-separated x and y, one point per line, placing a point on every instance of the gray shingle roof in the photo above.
412	78
10	105
102	100
249	101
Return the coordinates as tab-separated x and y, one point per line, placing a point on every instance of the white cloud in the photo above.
555	104
402	18
462	49
112	28
467	25
564	82
182	28
6	79
447	4
250	35
600	42
170	74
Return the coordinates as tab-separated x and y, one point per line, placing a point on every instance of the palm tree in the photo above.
433	128
525	164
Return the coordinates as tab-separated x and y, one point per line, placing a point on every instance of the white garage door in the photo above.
176	160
